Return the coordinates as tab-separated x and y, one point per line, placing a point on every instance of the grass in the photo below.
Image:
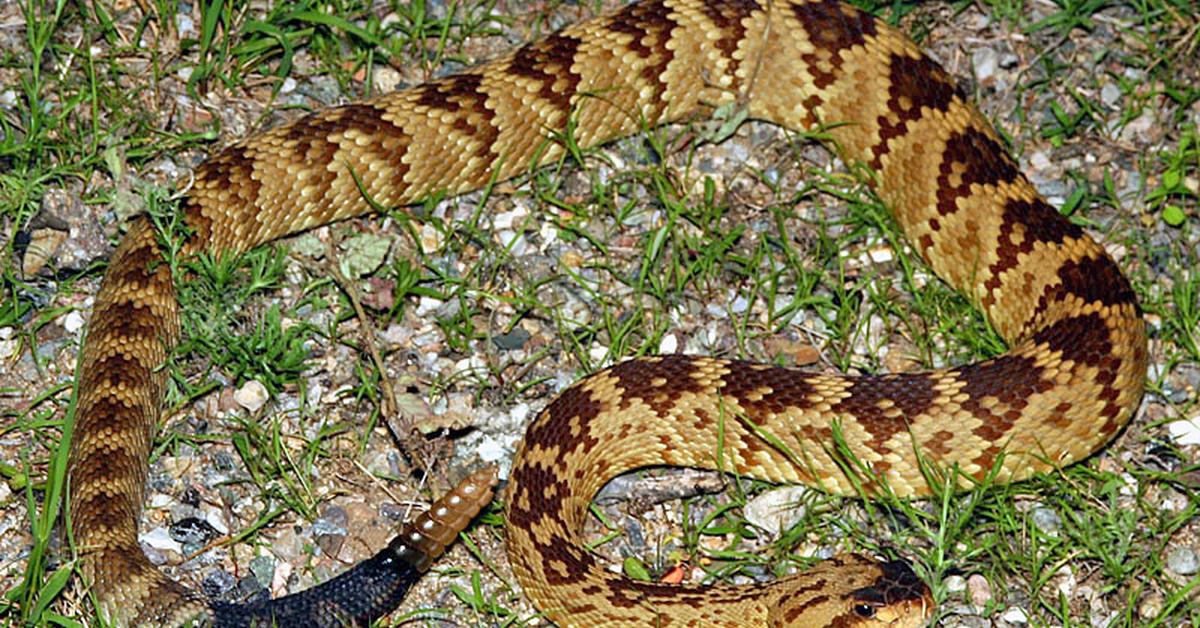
655	241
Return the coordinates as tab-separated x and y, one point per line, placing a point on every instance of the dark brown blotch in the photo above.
117	369
983	161
729	18
572	411
449	93
127	321
788	390
1093	280
911	394
1040	222
1010	379
1083	339
463	94
649	26
548	62
915	84
657	383
136	268
232	169
833	27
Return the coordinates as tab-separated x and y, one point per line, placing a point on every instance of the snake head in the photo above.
897	598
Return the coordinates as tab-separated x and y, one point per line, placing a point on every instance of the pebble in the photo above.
73	322
329	529
1185	431
217	584
193	531
985	61
668	344
979	590
1015	616
1046	520
1140	130
955	584
1150	606
1110	94
160	539
252	395
1183	561
491	449
513	340
777	509
386	79
263	568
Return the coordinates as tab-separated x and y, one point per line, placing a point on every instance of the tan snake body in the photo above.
1071	378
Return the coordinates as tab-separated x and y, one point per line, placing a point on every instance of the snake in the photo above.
1071	377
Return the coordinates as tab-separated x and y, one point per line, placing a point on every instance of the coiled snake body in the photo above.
1071	378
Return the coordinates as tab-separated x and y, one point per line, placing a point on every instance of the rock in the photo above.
513	340
1015	616
985	61
263	569
1046	520
778	509
1183	561
1150	606
252	395
160	539
979	591
1110	94
217	584
1185	431
955	584
329	529
193	531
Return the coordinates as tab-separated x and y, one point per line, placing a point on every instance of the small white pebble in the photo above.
160	539
252	395
1015	616
1185	431
73	322
955	584
1040	161
668	344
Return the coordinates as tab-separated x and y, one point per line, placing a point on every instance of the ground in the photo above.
278	464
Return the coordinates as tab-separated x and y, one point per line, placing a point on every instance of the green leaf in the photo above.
1171	179
363	254
635	569
1173	215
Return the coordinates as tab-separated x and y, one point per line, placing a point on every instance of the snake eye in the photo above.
866	611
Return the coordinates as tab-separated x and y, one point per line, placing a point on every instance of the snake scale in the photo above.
1071	378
